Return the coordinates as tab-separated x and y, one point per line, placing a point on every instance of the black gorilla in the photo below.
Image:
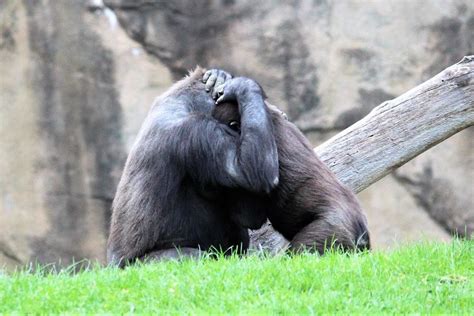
183	180
199	175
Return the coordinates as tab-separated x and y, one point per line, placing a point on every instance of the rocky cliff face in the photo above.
78	78
61	134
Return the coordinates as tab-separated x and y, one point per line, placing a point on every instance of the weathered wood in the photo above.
393	133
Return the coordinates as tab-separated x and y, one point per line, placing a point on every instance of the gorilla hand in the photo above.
214	78
239	89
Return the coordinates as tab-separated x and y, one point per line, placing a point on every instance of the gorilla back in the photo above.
183	167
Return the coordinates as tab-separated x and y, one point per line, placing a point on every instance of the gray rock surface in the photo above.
77	79
61	147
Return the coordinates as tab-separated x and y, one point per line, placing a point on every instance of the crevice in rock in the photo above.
435	197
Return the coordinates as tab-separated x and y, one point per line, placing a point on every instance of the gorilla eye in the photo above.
234	125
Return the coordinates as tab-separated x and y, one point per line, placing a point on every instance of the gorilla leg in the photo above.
321	235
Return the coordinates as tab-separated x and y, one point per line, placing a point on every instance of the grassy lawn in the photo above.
423	278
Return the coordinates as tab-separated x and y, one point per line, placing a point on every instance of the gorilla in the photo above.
186	167
202	172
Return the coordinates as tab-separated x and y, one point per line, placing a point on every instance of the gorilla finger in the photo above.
220	79
218	91
206	75
219	82
210	82
223	98
220	100
215	94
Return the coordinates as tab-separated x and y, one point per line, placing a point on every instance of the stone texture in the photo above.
70	107
395	218
61	140
77	80
442	181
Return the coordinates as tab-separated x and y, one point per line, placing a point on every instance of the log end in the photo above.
466	59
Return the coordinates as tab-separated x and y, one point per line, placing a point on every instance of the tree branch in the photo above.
394	133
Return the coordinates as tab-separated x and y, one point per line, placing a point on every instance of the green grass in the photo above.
424	278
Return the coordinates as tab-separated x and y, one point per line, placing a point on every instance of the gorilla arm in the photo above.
210	151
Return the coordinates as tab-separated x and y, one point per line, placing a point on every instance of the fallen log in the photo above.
392	134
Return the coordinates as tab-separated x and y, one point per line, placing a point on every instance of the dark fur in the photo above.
184	177
310	206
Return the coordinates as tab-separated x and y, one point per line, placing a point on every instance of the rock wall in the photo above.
61	146
77	79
